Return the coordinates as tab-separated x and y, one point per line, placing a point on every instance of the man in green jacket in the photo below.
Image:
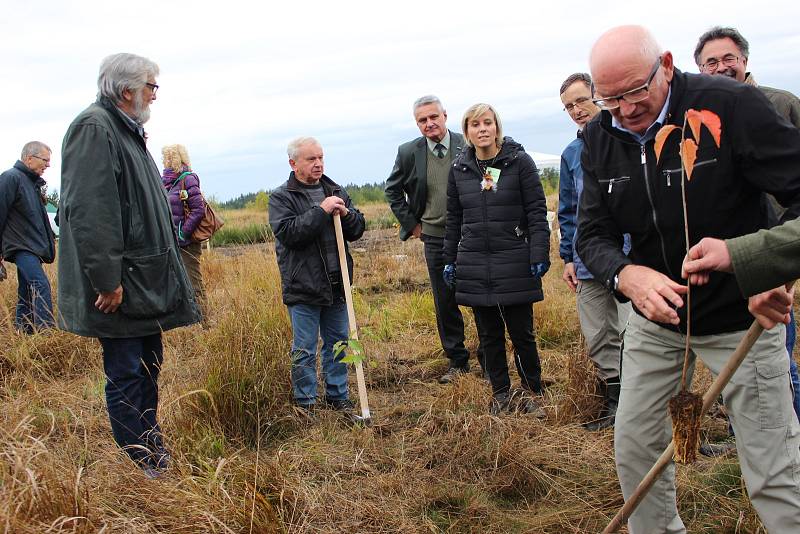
120	277
417	192
723	51
761	261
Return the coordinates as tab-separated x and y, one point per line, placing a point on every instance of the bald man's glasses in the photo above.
633	96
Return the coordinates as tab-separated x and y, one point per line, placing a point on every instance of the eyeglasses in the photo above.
153	87
712	63
46	160
633	96
578	102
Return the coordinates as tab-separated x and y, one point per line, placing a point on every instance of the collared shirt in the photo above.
136	126
651	131
444	142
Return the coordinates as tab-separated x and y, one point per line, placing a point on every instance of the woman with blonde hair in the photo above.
496	250
188	208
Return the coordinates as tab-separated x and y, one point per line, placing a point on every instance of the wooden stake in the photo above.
711	395
351	315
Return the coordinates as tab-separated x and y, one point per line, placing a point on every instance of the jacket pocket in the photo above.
150	285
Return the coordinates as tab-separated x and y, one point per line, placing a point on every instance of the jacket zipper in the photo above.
669	172
653	207
319	249
488	240
613	181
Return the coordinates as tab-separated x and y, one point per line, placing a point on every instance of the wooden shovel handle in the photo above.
351	314
711	395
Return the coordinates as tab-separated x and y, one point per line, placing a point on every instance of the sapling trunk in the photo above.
686	408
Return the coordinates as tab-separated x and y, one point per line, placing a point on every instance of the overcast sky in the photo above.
240	79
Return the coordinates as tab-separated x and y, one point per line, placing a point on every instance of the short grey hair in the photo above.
296	143
425	100
720	32
121	72
576	77
34	148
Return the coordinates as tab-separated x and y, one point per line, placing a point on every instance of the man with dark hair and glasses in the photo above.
602	318
26	238
724	52
627	190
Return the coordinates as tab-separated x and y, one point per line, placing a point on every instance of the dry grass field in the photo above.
244	461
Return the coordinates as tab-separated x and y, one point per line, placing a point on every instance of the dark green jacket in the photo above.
767	258
115	227
407	186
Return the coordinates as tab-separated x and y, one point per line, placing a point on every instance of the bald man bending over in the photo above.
626	191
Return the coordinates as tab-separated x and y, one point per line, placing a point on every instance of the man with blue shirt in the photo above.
602	318
626	190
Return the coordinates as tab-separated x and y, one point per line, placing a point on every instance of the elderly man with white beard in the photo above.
120	276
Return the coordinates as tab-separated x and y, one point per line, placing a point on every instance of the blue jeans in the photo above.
35	304
132	366
791	335
309	323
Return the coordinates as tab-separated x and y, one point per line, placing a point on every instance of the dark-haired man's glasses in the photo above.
578	102
637	94
153	86
713	63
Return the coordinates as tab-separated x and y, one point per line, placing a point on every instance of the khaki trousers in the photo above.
190	254
602	321
759	401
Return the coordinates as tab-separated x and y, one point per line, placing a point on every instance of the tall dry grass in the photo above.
244	461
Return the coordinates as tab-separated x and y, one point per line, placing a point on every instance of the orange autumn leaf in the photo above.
713	123
689	149
695	120
661	137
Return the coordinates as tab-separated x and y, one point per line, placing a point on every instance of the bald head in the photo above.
622	60
623	43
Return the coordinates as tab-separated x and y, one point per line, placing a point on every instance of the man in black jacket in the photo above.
301	216
417	192
627	190
26	238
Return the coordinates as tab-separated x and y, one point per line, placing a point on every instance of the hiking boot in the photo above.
160	460
608	414
523	401
306	410
715	450
151	472
340	405
500	403
452	373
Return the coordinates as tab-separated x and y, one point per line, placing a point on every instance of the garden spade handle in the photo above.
713	392
351	314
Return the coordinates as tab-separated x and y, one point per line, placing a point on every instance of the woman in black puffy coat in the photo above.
496	250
